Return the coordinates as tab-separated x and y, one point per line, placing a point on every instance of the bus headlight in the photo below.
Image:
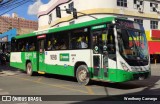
124	67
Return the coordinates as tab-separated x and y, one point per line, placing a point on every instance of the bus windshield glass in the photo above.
132	44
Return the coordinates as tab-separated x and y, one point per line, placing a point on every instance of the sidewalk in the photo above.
156	66
7	67
7	70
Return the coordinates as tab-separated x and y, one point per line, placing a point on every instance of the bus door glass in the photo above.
41	52
100	54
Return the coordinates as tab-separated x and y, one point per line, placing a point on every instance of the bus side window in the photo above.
111	41
27	46
41	46
73	43
83	43
32	47
63	44
49	46
23	48
79	42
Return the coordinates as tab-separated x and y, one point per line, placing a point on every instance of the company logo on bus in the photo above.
64	57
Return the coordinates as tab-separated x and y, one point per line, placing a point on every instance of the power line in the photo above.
6	5
5	2
20	4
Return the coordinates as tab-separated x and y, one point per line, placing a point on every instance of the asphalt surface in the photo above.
62	89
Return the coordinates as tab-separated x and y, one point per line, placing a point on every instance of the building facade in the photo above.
145	12
23	25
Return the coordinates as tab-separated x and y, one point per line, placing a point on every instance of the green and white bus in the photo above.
108	49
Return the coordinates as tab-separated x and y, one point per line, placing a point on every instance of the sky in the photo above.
28	10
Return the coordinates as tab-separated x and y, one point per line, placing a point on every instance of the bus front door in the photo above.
41	45
100	66
97	66
100	54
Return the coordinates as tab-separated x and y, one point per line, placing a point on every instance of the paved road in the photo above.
14	82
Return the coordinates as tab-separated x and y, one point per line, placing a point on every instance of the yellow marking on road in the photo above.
89	89
38	80
58	86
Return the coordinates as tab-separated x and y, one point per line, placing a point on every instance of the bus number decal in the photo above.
53	57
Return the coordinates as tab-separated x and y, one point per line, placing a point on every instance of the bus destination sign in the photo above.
129	24
99	27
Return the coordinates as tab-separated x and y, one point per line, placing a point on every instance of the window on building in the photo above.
154	24
153	7
122	3
50	19
71	6
140	21
138	4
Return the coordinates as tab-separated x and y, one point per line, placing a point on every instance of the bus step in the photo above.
40	72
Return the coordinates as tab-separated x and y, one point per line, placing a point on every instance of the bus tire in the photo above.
29	69
82	75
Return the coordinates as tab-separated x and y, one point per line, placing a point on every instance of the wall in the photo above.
11	33
96	8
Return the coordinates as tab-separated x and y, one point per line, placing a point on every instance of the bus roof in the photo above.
73	26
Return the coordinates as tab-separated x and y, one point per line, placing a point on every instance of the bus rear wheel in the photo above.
82	75
29	69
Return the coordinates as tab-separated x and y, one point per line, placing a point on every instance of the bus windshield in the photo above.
132	44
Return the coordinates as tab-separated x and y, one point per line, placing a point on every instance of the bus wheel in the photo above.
82	75
29	69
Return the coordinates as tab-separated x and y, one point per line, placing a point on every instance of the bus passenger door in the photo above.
97	66
100	54
41	55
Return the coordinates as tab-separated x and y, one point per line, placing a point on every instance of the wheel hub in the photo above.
82	75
